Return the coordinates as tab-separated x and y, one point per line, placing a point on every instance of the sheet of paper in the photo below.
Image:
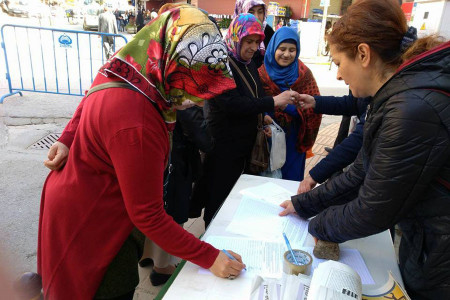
259	219
350	257
335	281
261	257
269	192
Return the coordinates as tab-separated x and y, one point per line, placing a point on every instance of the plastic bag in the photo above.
278	149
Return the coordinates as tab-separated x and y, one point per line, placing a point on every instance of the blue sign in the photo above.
65	41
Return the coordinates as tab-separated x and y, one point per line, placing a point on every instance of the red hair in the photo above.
379	23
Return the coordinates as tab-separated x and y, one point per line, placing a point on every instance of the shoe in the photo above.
328	149
158	278
145	262
28	286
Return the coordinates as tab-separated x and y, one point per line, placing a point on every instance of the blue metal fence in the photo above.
49	60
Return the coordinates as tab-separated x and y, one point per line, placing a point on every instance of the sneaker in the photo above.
28	286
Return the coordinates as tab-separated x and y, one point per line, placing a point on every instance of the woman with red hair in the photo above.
402	173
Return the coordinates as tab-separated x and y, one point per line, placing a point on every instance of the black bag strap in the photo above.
243	77
260	121
119	84
112	84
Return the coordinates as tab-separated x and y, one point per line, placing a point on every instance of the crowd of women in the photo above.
106	192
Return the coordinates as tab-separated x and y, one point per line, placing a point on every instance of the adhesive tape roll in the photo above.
304	262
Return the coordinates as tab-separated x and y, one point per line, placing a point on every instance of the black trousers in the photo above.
221	173
122	277
343	130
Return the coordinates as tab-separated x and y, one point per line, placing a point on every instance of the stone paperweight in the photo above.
326	250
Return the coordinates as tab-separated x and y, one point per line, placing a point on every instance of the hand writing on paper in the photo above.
288	208
57	156
225	267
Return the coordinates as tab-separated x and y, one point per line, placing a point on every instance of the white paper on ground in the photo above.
261	257
270	192
350	257
260	220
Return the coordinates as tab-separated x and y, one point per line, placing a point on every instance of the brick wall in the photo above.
226	7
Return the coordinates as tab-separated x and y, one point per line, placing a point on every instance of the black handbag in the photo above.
259	158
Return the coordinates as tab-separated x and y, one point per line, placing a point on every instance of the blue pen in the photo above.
230	256
289	248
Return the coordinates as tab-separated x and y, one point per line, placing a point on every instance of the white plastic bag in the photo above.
278	150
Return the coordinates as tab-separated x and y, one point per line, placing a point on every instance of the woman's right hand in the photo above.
306	185
285	98
225	267
57	156
306	101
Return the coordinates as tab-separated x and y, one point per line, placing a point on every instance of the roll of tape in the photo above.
304	262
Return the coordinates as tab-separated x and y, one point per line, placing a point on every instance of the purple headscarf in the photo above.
243	6
242	26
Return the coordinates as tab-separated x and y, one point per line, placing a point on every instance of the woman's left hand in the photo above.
268	131
268	120
288	208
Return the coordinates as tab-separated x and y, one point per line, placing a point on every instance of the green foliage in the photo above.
224	23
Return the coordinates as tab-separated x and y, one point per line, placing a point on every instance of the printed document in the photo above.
269	192
259	219
335	281
261	257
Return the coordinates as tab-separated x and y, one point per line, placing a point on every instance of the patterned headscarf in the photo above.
243	6
178	56
242	26
284	77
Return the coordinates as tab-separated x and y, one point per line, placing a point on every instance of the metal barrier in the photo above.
55	61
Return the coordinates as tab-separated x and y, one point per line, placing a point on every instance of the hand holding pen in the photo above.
227	265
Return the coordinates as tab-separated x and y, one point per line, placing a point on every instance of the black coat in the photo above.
401	175
232	116
189	136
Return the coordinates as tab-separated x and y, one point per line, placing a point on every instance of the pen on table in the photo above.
289	248
230	256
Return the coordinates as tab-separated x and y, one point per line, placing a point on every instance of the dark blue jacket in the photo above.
346	152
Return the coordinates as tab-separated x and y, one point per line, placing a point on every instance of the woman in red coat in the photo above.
110	190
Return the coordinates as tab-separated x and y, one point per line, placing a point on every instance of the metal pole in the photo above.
322	29
305	13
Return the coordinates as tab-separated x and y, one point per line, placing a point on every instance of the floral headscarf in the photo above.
242	26
178	56
243	6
